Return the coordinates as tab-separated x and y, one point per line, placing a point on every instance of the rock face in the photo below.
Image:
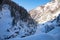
46	12
15	21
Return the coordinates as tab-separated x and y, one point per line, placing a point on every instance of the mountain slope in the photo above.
17	24
15	21
46	12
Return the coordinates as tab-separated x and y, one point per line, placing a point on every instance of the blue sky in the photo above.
30	4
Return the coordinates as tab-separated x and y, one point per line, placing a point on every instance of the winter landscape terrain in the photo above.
41	23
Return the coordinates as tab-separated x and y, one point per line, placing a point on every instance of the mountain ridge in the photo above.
46	12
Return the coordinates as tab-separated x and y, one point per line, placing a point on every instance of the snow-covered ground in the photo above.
36	37
52	35
55	33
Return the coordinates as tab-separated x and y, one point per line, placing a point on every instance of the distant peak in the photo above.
46	12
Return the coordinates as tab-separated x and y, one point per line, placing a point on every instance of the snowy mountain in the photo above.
46	12
15	21
41	23
48	18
